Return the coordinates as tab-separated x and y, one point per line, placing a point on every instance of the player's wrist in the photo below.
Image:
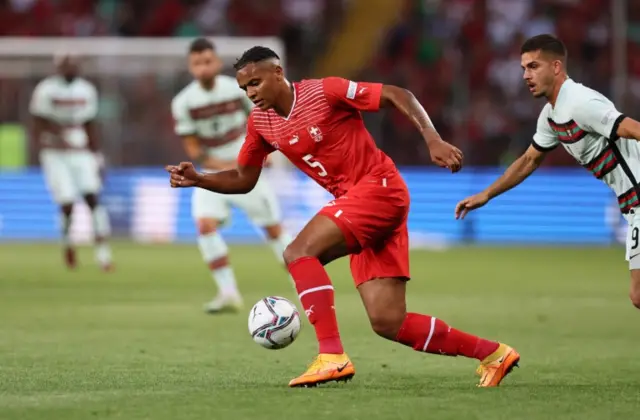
199	179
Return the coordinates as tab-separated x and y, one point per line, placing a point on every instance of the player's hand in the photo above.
183	175
471	203
446	155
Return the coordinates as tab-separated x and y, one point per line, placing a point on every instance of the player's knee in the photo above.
296	250
273	232
386	324
91	200
67	209
206	226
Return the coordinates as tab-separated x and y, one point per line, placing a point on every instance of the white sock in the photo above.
101	223
103	253
279	244
101	231
212	247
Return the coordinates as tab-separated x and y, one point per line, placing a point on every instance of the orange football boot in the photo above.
326	368
497	365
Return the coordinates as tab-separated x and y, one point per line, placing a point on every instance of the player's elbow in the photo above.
245	188
393	95
629	129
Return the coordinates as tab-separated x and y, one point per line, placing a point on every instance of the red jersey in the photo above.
324	135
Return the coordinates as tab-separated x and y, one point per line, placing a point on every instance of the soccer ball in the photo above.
274	322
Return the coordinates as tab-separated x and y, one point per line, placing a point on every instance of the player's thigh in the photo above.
371	212
209	205
633	256
385	303
58	176
321	238
85	172
386	259
260	205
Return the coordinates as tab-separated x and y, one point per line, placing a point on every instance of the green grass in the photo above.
135	345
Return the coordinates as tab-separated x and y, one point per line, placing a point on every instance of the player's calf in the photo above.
101	231
384	301
215	254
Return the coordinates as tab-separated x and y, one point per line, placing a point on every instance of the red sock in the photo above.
316	295
431	335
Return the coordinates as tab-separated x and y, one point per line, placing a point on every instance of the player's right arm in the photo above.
364	96
544	141
240	180
41	108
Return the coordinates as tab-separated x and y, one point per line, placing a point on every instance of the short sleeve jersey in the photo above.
324	134
217	116
68	104
585	123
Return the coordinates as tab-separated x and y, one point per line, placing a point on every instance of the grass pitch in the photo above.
135	344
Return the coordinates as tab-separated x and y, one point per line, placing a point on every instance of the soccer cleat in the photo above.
107	267
222	303
70	257
497	365
326	368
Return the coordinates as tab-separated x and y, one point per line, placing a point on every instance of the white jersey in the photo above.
69	105
585	122
218	117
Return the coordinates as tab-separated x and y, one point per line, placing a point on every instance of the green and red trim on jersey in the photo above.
568	132
628	200
604	163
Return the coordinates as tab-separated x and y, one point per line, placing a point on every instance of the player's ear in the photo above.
279	72
218	63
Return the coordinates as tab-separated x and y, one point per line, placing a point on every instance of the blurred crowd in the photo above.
460	57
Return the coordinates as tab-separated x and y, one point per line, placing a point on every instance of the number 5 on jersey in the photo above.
315	164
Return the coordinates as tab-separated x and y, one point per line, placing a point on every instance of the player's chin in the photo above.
262	105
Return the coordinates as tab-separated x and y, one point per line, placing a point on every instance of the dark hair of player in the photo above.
255	55
547	44
200	44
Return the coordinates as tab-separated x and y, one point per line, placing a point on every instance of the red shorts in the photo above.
373	218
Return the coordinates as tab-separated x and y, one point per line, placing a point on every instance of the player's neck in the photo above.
284	104
207	84
556	90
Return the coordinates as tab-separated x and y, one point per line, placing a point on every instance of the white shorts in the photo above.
70	174
260	205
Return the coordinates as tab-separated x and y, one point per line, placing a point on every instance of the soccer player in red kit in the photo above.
317	124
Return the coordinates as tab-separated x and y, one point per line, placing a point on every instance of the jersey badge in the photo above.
315	133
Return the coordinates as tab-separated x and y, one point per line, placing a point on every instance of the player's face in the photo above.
68	68
540	71
261	82
204	65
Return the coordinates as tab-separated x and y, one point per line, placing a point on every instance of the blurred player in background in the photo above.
589	127
64	107
210	115
317	124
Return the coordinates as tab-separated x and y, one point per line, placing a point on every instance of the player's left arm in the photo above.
600	115
89	116
373	96
629	128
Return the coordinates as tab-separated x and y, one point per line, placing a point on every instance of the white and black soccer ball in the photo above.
274	322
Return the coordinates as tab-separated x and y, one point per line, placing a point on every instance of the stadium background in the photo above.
134	343
460	57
